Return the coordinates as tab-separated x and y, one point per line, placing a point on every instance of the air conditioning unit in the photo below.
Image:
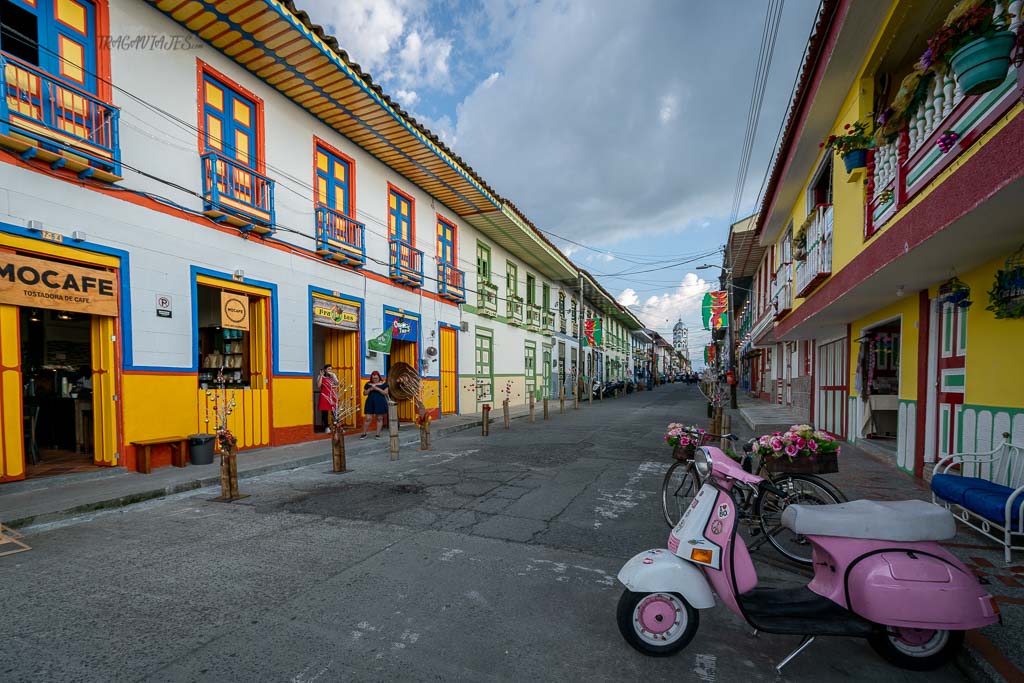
464	326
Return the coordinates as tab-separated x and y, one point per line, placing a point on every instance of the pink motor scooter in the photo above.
879	574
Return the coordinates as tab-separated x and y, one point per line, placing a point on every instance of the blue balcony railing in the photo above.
406	264
451	282
340	238
236	194
53	118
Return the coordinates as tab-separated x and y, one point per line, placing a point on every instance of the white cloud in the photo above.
661	311
668	108
407	98
423	59
489	81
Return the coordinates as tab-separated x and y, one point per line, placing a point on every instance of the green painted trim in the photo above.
954	380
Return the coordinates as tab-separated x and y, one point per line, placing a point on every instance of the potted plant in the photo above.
802	449
684	440
852	145
974	43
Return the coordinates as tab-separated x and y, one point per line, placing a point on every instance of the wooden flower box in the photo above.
820	463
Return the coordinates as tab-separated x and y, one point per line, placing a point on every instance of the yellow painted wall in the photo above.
12	450
907	309
157	406
994	376
292	399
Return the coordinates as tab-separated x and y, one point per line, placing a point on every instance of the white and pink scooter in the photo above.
879	574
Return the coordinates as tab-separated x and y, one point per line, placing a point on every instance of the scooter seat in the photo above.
897	520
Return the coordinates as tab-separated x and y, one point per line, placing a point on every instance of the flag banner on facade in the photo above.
593	332
714	310
709	354
382	342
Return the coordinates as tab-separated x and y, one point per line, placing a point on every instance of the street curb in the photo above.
203	482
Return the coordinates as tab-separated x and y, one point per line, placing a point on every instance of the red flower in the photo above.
846	126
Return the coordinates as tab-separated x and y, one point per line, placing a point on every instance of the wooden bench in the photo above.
179	451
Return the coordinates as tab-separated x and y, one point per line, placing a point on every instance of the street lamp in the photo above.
732	329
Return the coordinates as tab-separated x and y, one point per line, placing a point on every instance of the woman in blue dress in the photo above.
376	393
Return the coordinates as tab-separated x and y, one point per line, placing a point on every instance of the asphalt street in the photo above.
484	559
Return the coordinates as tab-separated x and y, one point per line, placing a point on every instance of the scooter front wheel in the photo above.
914	648
657	624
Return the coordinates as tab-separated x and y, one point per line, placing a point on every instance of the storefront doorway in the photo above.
878	372
449	371
336	342
405	334
58	322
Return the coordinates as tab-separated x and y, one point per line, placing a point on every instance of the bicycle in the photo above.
762	513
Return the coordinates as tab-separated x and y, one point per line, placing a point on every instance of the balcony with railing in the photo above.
339	238
235	194
533	316
900	169
486	299
405	265
451	283
44	117
782	297
816	264
514	310
548	321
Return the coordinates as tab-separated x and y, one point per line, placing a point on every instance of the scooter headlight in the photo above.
702	463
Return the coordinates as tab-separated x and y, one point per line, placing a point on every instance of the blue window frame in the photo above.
333	181
229	123
65	31
445	242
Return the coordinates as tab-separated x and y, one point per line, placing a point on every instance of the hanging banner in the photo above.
714	310
709	355
234	311
27	281
402	328
333	314
381	342
593	332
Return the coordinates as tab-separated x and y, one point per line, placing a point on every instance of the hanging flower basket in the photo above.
855	159
982	64
800	450
684	440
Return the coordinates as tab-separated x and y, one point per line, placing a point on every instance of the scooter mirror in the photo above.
748	447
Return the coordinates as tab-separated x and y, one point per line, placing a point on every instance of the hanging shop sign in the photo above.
402	329
28	281
714	310
593	332
234	311
1006	298
333	314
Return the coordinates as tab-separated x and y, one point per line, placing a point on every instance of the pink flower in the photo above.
776	433
776	444
812	445
791	450
800	442
684	441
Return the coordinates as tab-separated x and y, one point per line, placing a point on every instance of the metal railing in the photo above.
339	237
816	266
451	282
48	109
486	298
533	316
548	321
405	263
233	188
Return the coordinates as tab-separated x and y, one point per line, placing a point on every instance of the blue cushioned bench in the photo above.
985	491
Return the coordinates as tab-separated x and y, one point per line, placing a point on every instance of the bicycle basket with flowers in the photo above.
684	440
801	449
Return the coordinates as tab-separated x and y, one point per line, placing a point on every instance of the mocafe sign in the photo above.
234	311
27	281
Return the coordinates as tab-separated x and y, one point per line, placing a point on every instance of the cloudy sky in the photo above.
617	125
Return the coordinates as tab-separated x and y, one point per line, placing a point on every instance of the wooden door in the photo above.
341	351
104	409
951	377
831	391
449	371
405	352
789	350
12	449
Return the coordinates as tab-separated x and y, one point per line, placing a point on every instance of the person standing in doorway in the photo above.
327	382
376	393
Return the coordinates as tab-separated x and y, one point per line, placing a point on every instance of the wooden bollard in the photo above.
590	396
545	409
726	427
338	458
533	407
425	434
233	472
393	428
505	414
600	392
561	400
485	420
576	398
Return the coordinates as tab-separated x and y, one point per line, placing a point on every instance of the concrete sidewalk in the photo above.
763	417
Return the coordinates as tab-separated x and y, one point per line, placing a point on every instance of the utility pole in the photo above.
732	341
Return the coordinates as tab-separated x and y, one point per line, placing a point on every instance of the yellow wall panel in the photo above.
293	398
907	309
156	406
994	376
12	455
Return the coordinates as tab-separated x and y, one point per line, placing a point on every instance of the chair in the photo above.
31	418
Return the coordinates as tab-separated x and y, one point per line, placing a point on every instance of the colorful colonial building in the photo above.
885	300
199	189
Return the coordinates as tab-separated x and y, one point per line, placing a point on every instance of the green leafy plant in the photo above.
966	22
856	136
1006	298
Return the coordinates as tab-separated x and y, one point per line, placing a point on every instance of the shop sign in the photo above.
333	314
234	311
27	281
402	329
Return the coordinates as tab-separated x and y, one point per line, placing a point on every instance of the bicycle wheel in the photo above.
680	485
800	489
825	483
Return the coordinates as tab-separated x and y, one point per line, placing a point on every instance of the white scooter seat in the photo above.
897	520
